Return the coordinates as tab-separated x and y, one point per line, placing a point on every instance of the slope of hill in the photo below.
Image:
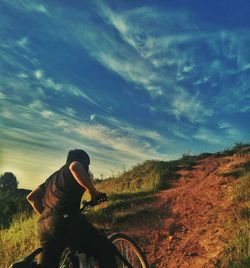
192	212
194	223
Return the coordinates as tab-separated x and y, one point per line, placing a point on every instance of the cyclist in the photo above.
61	225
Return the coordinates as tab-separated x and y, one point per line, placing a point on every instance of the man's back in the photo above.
62	193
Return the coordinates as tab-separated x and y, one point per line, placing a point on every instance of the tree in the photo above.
8	181
12	200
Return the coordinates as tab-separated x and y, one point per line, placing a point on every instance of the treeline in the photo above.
12	199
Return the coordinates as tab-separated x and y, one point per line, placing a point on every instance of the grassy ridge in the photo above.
148	176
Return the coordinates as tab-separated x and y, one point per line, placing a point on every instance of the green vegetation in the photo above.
18	240
238	170
12	200
149	176
122	207
237	148
237	253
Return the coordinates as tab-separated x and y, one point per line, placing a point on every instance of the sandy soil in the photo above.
186	225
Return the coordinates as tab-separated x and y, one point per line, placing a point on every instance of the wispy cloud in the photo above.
162	50
148	53
124	83
28	5
225	132
207	135
147	68
189	106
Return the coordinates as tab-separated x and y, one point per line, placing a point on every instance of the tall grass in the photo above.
237	253
146	177
18	240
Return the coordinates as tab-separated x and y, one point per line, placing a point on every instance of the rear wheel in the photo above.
123	243
129	250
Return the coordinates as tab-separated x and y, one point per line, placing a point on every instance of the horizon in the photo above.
125	81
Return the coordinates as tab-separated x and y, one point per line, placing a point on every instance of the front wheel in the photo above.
129	250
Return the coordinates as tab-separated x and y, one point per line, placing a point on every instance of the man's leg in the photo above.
82	235
52	246
50	256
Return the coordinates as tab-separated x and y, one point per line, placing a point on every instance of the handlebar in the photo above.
89	204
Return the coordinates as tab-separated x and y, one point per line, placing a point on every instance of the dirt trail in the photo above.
185	226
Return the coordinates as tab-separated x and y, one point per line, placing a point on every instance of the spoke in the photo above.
129	252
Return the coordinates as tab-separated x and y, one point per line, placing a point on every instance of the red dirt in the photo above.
186	225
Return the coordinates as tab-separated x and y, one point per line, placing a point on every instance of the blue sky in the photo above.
125	80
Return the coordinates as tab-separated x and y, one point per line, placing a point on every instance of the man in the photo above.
61	225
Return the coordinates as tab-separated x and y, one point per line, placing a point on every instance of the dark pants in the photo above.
75	232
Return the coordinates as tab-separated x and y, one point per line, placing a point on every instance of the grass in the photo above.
237	148
121	207
237	253
238	170
18	240
146	177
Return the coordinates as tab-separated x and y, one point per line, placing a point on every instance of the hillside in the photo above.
191	212
195	221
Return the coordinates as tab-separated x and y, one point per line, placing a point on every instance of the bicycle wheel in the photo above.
129	250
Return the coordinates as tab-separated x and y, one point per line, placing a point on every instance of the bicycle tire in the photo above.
130	251
125	245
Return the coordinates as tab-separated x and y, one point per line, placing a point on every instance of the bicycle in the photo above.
128	253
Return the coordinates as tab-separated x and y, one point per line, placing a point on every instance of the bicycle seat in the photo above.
28	261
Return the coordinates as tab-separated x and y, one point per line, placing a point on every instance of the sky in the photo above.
126	81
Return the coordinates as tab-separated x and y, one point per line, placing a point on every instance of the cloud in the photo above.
22	75
38	74
225	133
189	106
150	54
121	140
28	6
155	52
47	114
162	50
23	42
2	96
36	104
108	144
92	117
22	84
208	136
132	71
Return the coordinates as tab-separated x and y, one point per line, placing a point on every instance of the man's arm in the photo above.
35	199
82	177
